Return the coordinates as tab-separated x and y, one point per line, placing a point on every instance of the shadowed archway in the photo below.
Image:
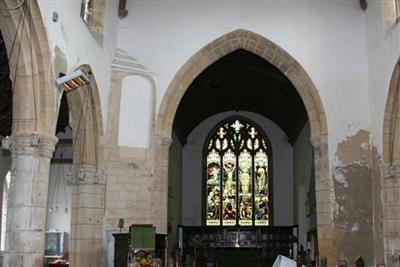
296	75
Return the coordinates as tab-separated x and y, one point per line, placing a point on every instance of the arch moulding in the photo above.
391	122
264	48
391	166
35	97
88	182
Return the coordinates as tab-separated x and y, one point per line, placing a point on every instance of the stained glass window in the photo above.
238	175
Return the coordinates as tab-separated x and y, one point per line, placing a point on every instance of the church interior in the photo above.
199	133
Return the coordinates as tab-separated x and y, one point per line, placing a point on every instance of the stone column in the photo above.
325	198
160	188
27	206
87	212
391	212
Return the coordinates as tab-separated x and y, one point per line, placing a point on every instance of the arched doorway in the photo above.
289	68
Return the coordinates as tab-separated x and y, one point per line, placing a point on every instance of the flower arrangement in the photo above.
144	259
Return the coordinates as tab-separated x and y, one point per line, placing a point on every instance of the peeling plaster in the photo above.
354	198
340	177
377	205
354	149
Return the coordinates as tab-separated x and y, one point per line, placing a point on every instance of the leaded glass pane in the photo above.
261	188
245	188
213	188
238	175
229	189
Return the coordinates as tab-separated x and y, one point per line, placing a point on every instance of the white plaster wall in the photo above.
282	169
5	166
302	170
74	39
383	40
59	199
5	163
174	192
59	196
135	112
328	38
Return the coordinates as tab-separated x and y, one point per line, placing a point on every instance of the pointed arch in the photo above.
87	122
35	105
88	181
391	121
258	45
282	60
391	163
35	96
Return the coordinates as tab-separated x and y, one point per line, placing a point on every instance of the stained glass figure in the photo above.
229	188
261	189
213	188
238	180
245	192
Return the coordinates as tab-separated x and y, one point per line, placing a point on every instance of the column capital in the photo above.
319	141
162	140
81	175
391	171
33	144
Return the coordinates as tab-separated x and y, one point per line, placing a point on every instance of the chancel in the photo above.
199	133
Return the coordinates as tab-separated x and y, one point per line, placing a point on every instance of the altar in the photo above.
238	256
237	246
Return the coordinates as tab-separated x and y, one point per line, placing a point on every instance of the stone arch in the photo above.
391	121
256	44
87	178
32	111
264	48
33	128
86	117
391	166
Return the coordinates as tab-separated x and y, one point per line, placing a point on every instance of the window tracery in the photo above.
238	175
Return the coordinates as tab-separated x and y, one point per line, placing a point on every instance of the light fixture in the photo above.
73	80
35	139
6	143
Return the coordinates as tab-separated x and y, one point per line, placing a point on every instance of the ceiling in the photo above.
246	82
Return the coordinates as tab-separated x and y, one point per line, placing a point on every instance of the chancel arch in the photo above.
288	67
391	165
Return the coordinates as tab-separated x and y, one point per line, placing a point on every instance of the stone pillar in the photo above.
391	212
160	188
325	199
87	212
27	206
